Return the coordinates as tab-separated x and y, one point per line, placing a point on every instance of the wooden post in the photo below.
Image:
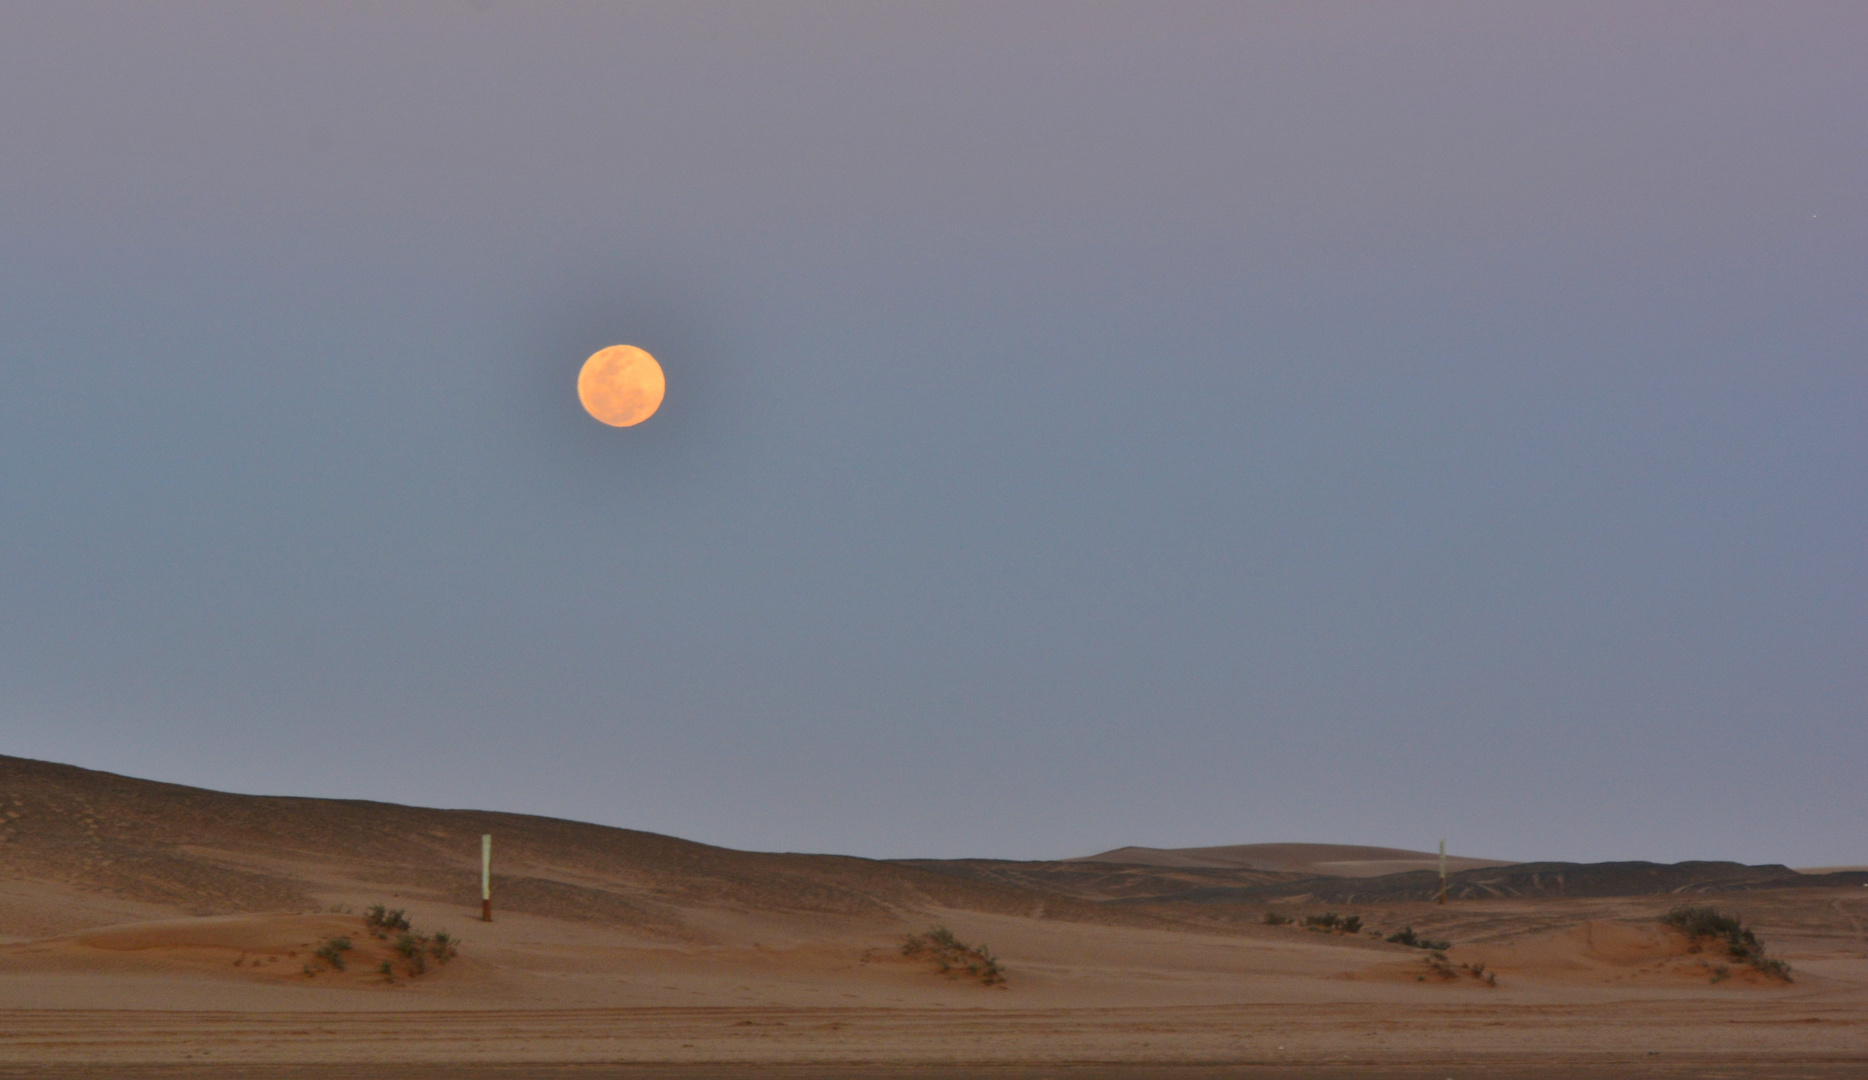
486	877
1443	871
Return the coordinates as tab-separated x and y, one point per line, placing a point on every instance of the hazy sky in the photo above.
1086	424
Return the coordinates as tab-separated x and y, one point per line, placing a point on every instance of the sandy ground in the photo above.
1608	989
1649	1068
153	931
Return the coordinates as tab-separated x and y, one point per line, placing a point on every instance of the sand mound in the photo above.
235	945
1590	953
265	947
236	933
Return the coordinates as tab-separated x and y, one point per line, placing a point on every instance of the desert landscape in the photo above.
1151	541
152	929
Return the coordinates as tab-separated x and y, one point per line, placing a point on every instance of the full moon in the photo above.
621	385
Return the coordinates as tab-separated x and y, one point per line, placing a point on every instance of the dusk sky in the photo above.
1086	424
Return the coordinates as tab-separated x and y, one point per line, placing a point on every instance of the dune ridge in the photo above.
205	852
147	923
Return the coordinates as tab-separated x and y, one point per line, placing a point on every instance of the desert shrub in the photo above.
1440	969
1331	923
331	950
942	938
1273	918
1407	936
988	970
1771	966
1741	944
950	955
382	920
414	951
1708	922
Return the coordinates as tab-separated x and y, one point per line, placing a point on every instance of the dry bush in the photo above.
951	956
1704	924
1407	936
331	950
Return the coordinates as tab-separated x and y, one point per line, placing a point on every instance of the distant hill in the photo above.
1129	884
1337	860
121	841
200	852
1527	880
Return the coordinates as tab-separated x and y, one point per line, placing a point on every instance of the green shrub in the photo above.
1708	922
381	919
1273	918
950	955
331	950
1332	923
414	951
1407	936
1771	966
1741	944
413	948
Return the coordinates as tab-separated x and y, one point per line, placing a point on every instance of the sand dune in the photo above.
1594	953
264	948
148	923
202	852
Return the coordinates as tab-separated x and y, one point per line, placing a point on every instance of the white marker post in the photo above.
486	877
1442	872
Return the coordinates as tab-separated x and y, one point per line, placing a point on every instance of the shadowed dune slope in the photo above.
184	850
203	852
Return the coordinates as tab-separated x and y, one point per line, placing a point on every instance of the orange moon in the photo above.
621	385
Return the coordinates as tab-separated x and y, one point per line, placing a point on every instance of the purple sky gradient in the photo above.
1086	425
